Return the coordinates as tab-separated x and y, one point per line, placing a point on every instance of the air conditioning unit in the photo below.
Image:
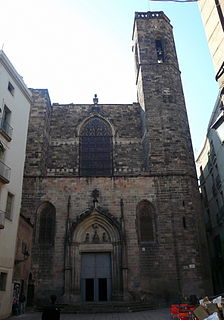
2	219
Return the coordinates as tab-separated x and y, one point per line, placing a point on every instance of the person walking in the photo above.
22	303
51	312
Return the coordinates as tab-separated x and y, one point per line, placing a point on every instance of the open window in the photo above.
159	51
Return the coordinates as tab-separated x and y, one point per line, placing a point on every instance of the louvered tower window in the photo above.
96	148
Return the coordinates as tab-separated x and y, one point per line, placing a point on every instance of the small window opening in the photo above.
9	206
11	88
136	57
3	278
2	151
5	122
159	51
184	223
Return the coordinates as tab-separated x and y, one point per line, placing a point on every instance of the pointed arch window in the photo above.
145	221
47	224
160	50
96	148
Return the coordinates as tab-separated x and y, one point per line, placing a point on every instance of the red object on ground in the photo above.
182	312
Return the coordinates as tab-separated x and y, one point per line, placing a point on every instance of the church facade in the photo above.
112	189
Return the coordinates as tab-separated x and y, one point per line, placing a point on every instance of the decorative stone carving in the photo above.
96	234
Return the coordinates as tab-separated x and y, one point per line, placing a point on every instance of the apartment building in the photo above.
15	100
210	159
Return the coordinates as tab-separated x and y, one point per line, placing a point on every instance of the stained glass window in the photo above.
47	224
96	149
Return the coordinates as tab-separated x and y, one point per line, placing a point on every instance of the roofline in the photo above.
15	75
200	152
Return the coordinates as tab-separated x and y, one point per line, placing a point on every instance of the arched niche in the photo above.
145	213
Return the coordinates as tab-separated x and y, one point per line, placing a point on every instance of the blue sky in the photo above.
76	48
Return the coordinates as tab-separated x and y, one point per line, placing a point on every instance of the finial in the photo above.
95	99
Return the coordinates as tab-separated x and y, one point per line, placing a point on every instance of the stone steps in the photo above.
107	307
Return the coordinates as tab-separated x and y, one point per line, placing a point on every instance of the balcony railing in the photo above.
6	129
2	219
4	172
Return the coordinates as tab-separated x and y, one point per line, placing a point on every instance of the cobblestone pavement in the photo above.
162	314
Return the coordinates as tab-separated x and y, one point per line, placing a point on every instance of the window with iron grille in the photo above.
3	278
47	224
9	206
96	148
145	220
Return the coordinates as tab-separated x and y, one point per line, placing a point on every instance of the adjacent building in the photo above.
15	101
210	159
212	13
112	189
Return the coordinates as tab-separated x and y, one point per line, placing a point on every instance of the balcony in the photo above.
6	129
2	219
4	173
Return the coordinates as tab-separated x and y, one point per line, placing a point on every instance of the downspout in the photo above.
66	249
176	256
124	253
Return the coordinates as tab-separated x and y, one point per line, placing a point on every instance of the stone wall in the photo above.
153	268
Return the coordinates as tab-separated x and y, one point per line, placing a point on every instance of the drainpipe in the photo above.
67	267
124	253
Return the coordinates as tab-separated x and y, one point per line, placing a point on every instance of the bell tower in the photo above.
169	162
167	138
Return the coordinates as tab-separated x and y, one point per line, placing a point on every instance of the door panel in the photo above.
102	289
89	294
103	268
96	276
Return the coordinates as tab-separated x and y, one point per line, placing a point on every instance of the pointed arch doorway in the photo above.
96	258
96	276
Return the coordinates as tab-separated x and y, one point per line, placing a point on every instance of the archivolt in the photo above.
101	224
